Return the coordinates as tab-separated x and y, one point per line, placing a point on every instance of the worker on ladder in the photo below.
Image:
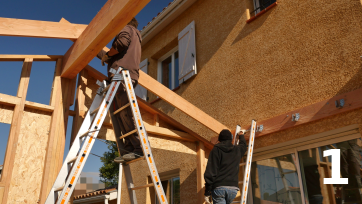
221	174
126	53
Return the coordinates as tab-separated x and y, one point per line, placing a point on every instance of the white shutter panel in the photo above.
139	90
187	53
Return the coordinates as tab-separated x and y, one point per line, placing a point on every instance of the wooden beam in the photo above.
9	100
168	133
201	166
180	103
39	106
9	58
149	108
15	126
54	155
112	18
311	113
42	29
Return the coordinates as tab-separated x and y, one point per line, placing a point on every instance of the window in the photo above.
293	172
259	5
315	168
275	180
172	190
168	69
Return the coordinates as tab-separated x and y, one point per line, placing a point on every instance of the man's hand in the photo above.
208	199
105	58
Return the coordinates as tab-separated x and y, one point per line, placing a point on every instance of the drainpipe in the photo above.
106	198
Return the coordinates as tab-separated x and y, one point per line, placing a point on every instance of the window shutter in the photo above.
139	90
187	53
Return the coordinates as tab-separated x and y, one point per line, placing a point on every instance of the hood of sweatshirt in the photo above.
225	146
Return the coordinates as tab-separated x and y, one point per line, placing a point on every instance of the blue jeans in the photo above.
223	195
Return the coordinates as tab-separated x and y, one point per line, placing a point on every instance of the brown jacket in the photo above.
128	44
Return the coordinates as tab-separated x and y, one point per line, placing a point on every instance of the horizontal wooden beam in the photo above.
14	100
42	29
39	106
149	108
112	18
34	57
311	113
180	103
9	100
168	133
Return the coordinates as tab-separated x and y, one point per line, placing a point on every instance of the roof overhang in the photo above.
164	18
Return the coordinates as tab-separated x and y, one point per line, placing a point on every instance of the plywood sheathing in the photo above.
29	158
296	54
169	155
6	114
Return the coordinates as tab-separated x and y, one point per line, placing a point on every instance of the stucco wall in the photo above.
296	54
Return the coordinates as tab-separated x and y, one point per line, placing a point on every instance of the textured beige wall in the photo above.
296	54
169	155
29	158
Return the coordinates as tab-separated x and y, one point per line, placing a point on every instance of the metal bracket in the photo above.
295	117
102	86
117	77
113	71
340	103
259	128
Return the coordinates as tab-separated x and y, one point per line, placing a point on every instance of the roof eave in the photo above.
165	18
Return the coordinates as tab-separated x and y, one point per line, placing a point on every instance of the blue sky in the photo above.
75	11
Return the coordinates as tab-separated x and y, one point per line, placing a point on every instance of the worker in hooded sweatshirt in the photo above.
221	174
125	53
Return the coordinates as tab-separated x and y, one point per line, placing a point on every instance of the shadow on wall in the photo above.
253	26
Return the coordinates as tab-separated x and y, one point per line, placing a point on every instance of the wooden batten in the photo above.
43	29
10	58
201	166
15	126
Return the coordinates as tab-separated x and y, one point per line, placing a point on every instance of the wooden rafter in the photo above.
168	133
148	107
113	16
180	103
43	29
10	58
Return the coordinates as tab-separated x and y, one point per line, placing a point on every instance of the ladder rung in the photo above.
106	89
144	186
123	107
95	111
72	160
59	189
242	164
135	160
127	134
240	182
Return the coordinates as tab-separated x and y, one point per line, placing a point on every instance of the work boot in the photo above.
132	156
119	159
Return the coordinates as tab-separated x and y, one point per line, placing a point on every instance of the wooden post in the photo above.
15	126
60	99
201	165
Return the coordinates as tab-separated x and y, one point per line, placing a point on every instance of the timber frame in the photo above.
88	41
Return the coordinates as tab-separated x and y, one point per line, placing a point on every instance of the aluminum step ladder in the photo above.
72	167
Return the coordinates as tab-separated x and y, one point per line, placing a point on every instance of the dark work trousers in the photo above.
126	120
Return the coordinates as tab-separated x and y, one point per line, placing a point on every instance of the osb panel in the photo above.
6	114
29	158
179	155
296	54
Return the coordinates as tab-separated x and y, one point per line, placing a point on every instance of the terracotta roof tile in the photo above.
94	193
159	14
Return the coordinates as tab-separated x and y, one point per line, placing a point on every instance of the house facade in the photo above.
294	66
